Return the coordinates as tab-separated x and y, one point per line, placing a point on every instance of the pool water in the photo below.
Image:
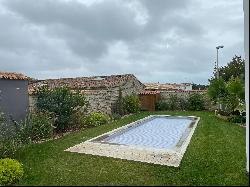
157	132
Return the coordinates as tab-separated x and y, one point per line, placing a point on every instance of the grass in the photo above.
215	156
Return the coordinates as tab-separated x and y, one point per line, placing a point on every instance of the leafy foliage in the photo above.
183	104
193	102
76	120
196	102
199	86
131	103
217	90
235	68
237	119
236	94
161	105
230	93
96	119
173	102
61	101
11	171
9	139
229	88
36	126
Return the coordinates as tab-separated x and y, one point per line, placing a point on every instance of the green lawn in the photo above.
215	156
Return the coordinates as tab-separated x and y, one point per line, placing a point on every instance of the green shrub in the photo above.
183	104
96	119
237	119
173	102
61	101
196	102
77	120
11	171
37	126
9	140
131	103
161	105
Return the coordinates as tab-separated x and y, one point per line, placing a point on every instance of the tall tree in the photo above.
235	68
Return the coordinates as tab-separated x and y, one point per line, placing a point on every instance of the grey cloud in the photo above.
55	38
89	27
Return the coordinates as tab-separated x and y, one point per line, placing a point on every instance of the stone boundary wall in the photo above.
103	100
32	103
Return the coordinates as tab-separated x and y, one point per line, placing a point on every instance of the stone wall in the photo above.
102	100
32	102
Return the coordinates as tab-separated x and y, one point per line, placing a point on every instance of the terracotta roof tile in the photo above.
85	83
12	76
147	92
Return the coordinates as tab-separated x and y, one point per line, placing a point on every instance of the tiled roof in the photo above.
84	83
147	92
188	91
166	86
159	86
12	76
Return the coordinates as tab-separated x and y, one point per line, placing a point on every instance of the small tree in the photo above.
217	90
61	101
235	68
131	103
119	106
236	94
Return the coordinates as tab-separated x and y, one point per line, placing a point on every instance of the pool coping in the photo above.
168	157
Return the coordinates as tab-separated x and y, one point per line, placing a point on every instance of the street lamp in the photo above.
217	63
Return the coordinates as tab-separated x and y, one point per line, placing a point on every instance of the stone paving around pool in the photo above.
168	157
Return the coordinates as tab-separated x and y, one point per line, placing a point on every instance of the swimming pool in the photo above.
158	139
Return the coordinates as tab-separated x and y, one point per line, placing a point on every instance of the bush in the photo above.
161	105
183	104
9	140
96	119
76	120
62	101
11	171
36	126
237	119
196	102
173	102
131	103
236	113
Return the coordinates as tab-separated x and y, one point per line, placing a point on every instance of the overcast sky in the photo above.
156	40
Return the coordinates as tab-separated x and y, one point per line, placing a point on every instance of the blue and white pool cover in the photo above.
157	139
157	133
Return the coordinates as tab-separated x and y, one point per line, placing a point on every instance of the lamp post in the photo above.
217	68
217	61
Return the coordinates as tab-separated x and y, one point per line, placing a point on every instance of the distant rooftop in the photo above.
166	86
12	76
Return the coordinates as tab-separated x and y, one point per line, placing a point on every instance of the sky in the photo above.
166	41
